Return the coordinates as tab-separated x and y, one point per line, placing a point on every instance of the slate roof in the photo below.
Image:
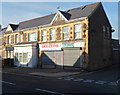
3	31
83	11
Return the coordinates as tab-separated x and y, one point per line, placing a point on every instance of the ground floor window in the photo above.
21	57
9	54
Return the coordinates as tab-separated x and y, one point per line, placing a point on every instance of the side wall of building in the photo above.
99	46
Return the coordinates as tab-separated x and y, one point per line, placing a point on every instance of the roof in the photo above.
71	14
13	26
3	31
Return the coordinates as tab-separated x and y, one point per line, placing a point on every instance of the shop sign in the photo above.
50	46
9	48
79	44
67	45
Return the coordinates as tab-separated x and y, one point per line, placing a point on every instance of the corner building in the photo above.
79	37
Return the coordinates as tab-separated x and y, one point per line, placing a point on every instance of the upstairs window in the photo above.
21	38
78	31
66	31
32	37
16	38
52	34
9	39
106	32
44	35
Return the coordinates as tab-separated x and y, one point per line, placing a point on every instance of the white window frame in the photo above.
66	34
17	38
9	39
44	35
78	31
32	37
24	59
52	34
21	38
9	54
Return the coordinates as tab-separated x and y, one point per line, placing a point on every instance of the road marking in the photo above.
113	83
59	78
100	82
118	81
48	91
88	81
78	79
68	78
8	82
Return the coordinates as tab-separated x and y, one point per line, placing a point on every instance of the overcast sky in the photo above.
15	12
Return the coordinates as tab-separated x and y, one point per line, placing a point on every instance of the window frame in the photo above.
44	35
21	38
78	31
17	38
9	39
66	33
30	35
52	34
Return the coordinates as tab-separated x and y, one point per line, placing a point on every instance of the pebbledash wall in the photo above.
79	37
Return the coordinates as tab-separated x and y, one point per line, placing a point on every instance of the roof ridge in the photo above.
85	5
37	18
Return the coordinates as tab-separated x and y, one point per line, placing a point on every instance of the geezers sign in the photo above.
50	46
59	46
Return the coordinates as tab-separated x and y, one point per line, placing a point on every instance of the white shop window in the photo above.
32	37
44	35
78	31
66	31
52	34
21	57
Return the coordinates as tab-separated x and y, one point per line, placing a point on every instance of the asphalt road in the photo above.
99	82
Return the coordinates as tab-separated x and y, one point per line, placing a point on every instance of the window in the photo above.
9	54
78	31
16	38
25	57
104	29
44	35
21	38
32	37
9	40
21	57
52	34
108	32
66	33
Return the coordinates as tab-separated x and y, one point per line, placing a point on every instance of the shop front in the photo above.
51	55
26	55
59	55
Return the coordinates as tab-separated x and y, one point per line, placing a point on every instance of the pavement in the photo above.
44	72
